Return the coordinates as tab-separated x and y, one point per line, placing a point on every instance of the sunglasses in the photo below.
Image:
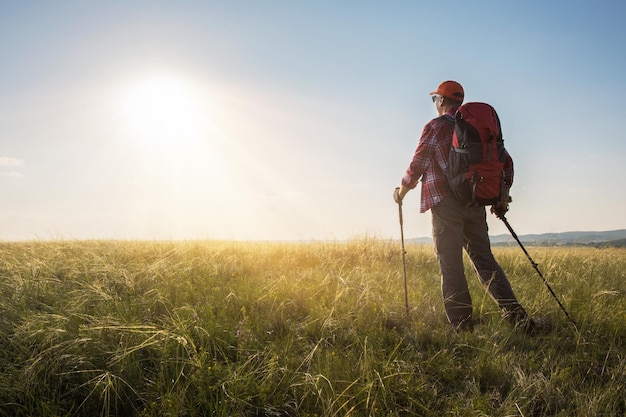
435	97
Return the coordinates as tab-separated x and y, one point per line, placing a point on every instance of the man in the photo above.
454	225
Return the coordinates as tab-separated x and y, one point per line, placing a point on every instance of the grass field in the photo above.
110	328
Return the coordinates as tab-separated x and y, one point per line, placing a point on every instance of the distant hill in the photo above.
611	238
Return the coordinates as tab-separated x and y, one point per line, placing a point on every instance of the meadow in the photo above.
209	328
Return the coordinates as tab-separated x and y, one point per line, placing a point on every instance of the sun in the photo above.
161	108
169	131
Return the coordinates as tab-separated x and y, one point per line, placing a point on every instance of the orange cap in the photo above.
450	89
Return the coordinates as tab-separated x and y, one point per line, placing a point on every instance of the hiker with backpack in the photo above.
461	161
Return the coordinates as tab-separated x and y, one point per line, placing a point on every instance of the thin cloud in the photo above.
11	174
8	161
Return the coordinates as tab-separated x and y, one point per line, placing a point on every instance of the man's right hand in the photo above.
398	194
500	209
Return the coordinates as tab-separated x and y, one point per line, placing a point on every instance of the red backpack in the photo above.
477	156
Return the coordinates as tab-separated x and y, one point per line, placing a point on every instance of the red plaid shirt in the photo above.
431	161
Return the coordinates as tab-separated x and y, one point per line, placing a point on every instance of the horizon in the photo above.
294	121
422	239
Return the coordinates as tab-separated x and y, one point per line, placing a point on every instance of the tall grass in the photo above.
287	329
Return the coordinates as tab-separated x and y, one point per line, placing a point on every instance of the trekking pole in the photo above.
536	266
406	292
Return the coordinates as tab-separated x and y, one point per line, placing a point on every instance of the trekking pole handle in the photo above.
396	196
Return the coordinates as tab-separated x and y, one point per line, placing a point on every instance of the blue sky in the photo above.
293	119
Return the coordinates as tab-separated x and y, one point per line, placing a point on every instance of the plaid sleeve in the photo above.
508	170
422	157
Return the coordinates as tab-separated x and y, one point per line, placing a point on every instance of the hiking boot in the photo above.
534	327
542	325
464	326
520	320
517	316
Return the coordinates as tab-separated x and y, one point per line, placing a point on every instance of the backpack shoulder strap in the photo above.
447	118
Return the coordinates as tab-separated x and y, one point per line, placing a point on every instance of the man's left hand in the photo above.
500	209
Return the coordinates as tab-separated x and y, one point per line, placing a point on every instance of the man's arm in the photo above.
502	206
421	159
